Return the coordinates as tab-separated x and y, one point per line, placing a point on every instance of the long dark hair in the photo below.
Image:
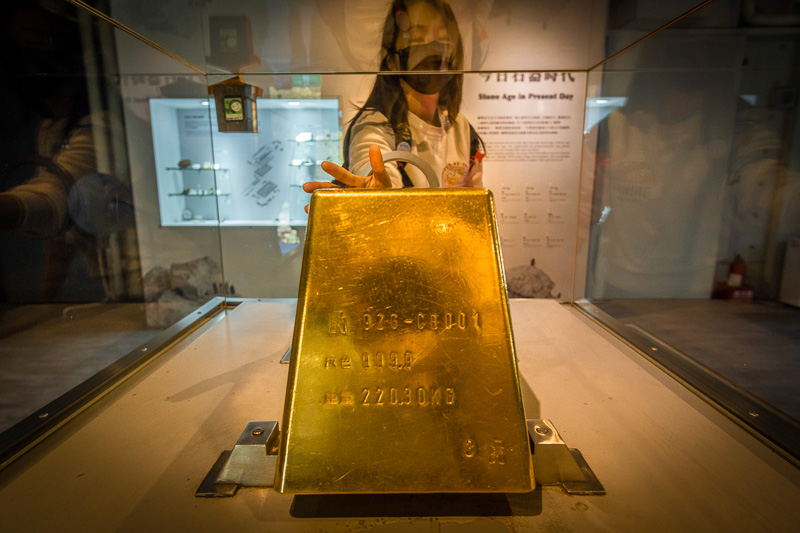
387	95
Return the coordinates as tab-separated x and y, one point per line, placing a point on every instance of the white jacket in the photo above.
446	149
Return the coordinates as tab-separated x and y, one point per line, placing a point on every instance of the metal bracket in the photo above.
554	463
253	460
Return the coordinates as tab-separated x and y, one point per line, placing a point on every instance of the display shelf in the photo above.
202	195
196	223
308	163
201	169
295	222
265	223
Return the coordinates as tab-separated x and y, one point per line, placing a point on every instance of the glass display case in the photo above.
643	157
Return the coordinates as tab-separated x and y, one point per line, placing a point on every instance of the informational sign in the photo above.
532	125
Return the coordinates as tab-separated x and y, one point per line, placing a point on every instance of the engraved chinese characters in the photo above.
403	376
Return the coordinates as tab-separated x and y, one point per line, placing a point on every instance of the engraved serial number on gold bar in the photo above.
436	321
393	360
407	396
339	324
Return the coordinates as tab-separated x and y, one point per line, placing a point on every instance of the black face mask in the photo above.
427	83
426	57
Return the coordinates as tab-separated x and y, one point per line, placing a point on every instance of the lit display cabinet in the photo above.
240	179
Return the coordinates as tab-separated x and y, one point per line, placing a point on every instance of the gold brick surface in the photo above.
403	377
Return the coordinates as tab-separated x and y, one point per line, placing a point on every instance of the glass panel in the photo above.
264	211
693	150
647	184
87	272
664	155
177	206
631	20
275	36
535	183
530	123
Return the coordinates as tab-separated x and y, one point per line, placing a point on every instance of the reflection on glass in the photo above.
70	278
341	36
73	249
664	166
630	21
695	197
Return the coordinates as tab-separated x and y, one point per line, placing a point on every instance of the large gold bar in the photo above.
403	376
